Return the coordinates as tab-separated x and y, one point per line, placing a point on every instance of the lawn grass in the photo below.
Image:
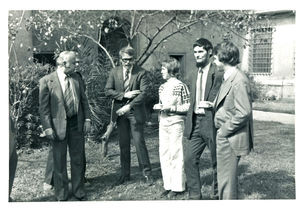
267	173
281	106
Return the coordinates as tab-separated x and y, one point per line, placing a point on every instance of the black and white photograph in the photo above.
150	106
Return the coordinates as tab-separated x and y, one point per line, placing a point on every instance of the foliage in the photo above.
92	34
267	173
23	100
155	80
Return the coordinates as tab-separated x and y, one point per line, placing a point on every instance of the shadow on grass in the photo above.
268	185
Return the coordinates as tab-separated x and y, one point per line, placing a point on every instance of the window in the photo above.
261	51
44	58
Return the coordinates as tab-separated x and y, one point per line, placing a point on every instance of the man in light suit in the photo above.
204	80
232	119
127	85
65	117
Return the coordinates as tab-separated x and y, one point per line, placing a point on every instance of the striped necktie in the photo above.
126	80
69	98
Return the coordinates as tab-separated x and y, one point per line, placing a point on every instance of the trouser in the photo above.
127	125
171	156
194	148
75	141
227	170
49	167
13	160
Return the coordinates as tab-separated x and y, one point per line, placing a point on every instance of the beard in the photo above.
202	64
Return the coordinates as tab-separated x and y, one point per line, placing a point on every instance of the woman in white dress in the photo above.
174	102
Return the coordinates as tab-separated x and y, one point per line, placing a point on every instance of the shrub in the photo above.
23	101
155	80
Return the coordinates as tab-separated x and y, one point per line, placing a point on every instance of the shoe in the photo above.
149	180
121	180
165	193
195	197
86	183
173	194
84	198
47	187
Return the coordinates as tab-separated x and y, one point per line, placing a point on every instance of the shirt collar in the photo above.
130	70
228	73
205	68
60	72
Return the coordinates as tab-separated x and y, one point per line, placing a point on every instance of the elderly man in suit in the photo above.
65	117
205	81
127	85
232	119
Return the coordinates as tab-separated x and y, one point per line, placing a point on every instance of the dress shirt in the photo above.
204	78
129	73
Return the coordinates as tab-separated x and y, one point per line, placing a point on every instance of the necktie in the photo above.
126	80
200	84
69	98
199	93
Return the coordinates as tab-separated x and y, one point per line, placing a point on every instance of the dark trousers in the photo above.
128	126
194	148
49	172
75	141
13	160
227	170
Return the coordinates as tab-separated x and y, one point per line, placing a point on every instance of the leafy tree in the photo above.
88	31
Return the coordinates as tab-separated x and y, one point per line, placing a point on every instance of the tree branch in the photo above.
147	54
159	29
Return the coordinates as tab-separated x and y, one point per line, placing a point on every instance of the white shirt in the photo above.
129	73
204	78
228	73
61	76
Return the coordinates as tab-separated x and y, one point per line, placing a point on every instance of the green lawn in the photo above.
282	106
267	173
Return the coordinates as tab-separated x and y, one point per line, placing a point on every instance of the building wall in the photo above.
281	81
181	43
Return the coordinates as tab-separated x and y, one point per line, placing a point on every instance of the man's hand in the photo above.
131	94
124	109
50	134
166	109
87	126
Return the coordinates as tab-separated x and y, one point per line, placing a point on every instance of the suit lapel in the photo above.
120	78
209	81
225	88
56	85
134	73
193	88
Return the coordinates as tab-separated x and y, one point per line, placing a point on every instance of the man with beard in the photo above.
205	81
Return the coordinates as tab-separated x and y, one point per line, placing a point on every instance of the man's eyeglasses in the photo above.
126	59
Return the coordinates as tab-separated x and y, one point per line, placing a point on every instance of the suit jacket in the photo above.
233	112
115	89
52	104
213	83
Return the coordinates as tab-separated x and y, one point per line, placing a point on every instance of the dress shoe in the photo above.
173	194
84	198
149	180
165	193
121	180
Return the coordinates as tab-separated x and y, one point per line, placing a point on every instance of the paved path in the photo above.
275	117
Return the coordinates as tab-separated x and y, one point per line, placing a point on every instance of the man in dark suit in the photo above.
65	117
233	120
127	85
205	81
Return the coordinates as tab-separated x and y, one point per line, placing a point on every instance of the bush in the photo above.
155	80
23	101
257	89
